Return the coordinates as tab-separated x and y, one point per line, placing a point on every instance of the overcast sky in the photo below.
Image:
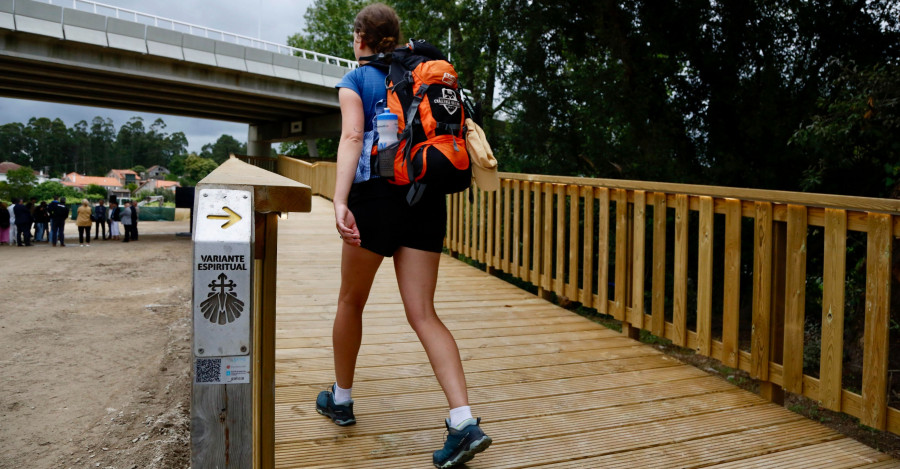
270	20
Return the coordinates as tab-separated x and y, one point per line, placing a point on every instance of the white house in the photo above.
7	166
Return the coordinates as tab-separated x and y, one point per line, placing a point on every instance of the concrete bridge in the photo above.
67	55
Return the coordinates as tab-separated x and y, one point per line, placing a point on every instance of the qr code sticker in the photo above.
207	370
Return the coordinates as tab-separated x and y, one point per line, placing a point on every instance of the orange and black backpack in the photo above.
422	89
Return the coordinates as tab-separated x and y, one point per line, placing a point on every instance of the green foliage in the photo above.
176	166
852	139
20	181
46	190
326	147
132	187
139	169
329	28
93	189
709	92
89	148
222	149
196	168
168	196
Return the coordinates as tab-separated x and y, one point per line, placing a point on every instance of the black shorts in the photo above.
386	222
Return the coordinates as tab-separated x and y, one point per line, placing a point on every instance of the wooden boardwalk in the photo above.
554	389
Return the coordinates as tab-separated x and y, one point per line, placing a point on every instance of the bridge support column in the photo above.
255	146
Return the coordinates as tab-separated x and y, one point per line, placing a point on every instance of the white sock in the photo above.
341	395
460	415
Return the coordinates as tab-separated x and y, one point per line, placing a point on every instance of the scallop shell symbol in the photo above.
222	307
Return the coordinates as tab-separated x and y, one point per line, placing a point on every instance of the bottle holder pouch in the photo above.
384	161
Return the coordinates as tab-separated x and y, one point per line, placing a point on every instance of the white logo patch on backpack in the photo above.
448	100
449	79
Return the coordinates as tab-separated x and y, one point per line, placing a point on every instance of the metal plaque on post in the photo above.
223	256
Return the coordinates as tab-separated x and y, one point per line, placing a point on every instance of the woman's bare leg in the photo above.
417	277
358	267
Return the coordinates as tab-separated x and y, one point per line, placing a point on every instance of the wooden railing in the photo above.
623	247
264	162
319	176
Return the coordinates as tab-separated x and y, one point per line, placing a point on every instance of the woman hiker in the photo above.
375	221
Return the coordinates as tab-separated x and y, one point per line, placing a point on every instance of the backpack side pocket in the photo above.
386	160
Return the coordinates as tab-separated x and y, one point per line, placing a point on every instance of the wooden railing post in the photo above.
265	280
762	292
767	389
233	360
877	323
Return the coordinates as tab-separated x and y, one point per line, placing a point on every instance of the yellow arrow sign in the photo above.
231	217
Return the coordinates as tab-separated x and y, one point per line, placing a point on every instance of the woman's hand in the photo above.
346	224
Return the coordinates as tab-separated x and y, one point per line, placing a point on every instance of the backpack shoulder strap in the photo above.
379	60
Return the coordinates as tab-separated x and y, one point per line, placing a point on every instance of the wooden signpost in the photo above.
236	212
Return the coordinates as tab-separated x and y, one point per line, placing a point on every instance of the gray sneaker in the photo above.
341	414
462	444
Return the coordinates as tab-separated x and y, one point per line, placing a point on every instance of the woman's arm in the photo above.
349	150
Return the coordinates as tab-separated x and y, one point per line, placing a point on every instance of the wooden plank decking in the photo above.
554	389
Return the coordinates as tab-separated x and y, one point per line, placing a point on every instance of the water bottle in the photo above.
386	126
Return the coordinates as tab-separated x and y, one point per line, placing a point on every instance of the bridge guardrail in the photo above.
202	31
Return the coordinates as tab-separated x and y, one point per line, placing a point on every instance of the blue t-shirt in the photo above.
368	83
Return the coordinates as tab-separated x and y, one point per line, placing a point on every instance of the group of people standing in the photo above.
100	216
19	219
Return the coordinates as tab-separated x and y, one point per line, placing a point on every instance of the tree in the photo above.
709	92
20	181
103	144
852	140
46	190
96	190
176	144
167	195
176	165
222	149
328	28
78	148
13	143
196	168
325	147
130	143
47	145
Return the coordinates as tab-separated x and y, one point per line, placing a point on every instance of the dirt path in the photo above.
94	345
